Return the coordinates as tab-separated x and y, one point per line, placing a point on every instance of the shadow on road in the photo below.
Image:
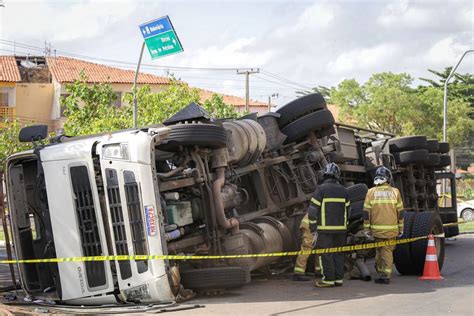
457	271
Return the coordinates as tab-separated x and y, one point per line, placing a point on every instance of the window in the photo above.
7	97
3	99
118	101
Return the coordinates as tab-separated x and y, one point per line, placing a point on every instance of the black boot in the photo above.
300	277
382	281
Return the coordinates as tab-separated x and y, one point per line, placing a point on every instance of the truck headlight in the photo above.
116	151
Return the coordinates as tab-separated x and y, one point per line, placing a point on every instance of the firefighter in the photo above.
327	214
383	219
307	244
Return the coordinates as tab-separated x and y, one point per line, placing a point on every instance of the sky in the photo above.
295	44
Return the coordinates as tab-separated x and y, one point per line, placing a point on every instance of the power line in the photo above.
278	77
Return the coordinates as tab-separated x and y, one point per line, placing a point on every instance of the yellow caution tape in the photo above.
391	242
348	248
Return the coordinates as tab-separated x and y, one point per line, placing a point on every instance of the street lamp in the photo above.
445	116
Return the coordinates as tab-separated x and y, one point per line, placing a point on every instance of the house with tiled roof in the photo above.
31	87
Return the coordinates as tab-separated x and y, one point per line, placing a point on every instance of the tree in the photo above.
324	91
90	110
387	102
9	142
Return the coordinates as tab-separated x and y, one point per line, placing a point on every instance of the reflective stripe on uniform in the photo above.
332	227
338	281
328	282
366	226
323	214
299	270
367	206
314	201
384	227
348	203
308	221
383	202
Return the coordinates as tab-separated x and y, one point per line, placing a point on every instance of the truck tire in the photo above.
443	147
412	156
432	145
407	143
214	278
204	135
452	231
300	107
402	253
300	128
444	161
357	192
426	223
433	160
357	210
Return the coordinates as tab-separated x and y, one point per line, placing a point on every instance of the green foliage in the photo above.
90	110
9	142
324	91
387	102
217	108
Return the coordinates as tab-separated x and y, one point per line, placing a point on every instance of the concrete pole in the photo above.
247	74
135	101
445	105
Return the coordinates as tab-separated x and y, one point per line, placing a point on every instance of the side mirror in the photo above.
33	133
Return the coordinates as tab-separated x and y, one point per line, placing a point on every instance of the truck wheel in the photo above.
407	143
357	192
300	128
357	210
432	145
426	223
300	107
412	156
433	160
402	253
204	135
444	161
443	147
222	277
452	231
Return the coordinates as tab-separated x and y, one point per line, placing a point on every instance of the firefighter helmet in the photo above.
331	170
382	175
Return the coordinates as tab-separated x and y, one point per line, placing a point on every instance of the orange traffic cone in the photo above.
431	270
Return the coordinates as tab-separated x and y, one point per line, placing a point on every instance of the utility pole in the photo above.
274	95
247	73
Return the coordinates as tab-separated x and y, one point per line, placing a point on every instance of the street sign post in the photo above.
160	37
161	40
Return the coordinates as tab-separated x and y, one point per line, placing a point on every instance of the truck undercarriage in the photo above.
200	186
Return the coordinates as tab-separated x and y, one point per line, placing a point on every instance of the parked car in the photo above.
466	210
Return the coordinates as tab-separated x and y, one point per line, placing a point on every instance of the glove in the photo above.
368	234
315	239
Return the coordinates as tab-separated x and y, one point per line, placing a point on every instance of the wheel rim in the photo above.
436	231
467	215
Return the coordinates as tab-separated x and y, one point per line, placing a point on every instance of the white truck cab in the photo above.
90	197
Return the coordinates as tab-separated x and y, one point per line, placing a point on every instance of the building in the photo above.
31	87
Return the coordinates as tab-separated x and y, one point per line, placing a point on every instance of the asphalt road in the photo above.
406	295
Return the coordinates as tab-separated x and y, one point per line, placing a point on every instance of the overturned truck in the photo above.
201	186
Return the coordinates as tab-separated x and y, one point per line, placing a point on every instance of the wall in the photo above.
34	103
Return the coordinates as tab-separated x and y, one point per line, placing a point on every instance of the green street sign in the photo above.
163	44
160	37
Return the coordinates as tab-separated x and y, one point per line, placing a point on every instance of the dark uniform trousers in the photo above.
332	264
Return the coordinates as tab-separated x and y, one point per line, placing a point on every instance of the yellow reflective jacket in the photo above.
383	205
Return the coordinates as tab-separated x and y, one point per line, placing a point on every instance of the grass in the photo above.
466	226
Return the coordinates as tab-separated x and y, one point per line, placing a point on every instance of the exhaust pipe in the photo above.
231	224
